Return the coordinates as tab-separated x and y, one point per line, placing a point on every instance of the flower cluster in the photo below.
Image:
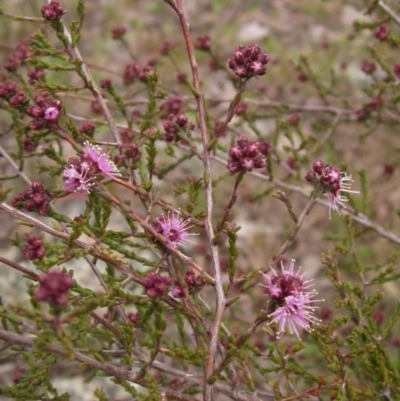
245	156
53	11
81	173
18	57
7	89
173	105
36	75
34	199
382	33
128	154
203	43
135	70
365	112
248	62
156	285
54	287
292	302
173	229
193	283
172	125
333	182
396	70
34	249
118	32
10	92
46	110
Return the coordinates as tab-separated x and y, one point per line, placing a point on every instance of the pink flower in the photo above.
51	114
331	181
81	173
293	303
296	312
173	229
54	287
342	183
101	161
156	285
77	178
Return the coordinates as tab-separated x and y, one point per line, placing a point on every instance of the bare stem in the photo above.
232	201
389	12
20	17
20	268
14	166
220	296
296	228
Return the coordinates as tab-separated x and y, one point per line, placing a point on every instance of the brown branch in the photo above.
20	268
220	296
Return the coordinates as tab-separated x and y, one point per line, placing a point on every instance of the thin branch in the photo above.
14	166
21	17
75	54
389	12
296	228
20	268
220	296
300	107
359	217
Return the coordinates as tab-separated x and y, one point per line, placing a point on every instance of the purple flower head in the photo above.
246	155
80	174
178	292
173	229
297	312
294	304
51	114
54	287
34	199
101	161
77	177
336	200
53	11
156	285
34	248
332	181
248	62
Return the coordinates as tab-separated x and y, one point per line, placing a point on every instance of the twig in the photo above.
149	229
300	107
14	166
21	17
293	232
20	268
75	54
359	217
220	296
389	11
231	202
